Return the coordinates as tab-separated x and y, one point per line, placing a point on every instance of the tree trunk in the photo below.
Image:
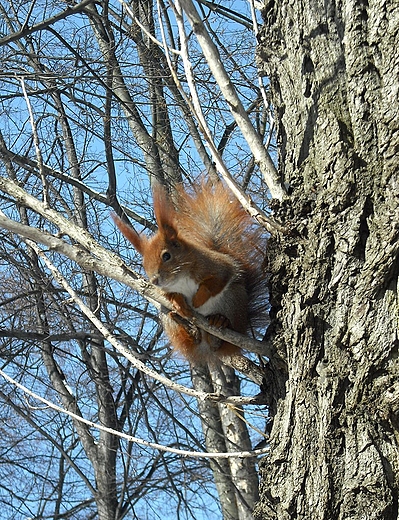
334	69
215	442
236	436
225	430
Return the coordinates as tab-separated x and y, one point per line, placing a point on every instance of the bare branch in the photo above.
26	30
195	105
215	63
107	263
160	447
36	142
31	165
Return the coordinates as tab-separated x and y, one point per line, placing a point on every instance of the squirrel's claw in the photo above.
180	304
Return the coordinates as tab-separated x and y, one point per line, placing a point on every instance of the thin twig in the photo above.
36	142
130	438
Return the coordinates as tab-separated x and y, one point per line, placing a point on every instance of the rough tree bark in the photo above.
334	69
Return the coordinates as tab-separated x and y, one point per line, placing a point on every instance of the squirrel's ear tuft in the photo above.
165	212
139	241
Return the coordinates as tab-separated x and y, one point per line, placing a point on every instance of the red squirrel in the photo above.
207	257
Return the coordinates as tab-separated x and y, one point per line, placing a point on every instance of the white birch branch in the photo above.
212	56
130	438
195	106
94	257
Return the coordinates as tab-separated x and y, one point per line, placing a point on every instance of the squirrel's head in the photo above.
164	254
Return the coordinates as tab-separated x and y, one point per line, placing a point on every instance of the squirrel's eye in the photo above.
166	256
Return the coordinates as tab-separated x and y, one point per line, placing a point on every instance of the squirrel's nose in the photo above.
154	280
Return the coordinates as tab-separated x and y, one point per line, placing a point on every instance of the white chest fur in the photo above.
189	287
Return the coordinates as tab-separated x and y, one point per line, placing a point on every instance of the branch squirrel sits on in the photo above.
207	256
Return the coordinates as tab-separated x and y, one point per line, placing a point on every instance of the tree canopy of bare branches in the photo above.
98	101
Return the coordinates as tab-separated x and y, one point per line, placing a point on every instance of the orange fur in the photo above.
206	256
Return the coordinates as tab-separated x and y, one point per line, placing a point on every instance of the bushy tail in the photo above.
211	216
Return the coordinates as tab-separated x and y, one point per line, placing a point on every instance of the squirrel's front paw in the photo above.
180	304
